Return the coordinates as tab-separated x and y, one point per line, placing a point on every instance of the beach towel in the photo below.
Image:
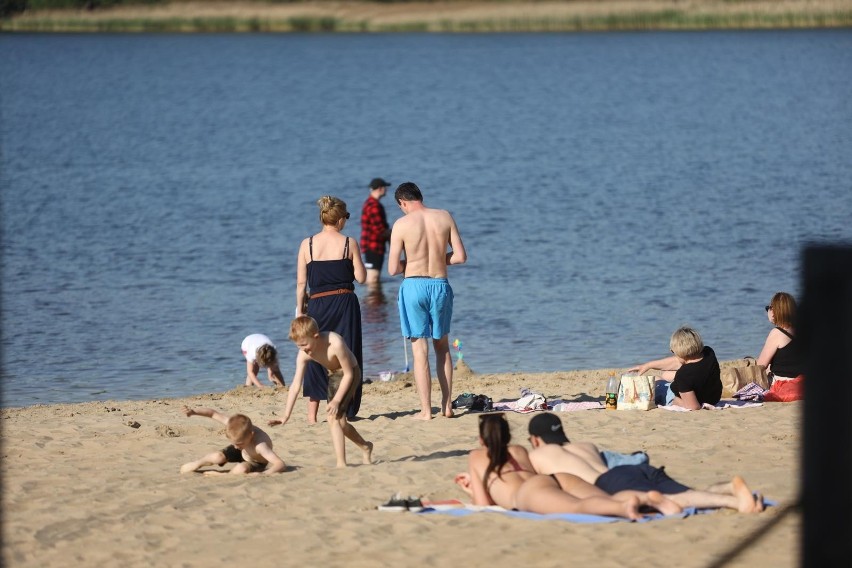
553	405
721	405
459	509
570	406
466	510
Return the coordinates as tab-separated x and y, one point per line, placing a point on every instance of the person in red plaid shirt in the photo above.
375	230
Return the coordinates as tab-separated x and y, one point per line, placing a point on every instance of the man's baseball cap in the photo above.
548	427
376	183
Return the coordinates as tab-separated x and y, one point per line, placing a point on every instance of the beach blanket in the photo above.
721	405
465	510
459	509
554	406
531	401
570	406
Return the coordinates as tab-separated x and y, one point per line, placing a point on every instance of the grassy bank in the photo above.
447	16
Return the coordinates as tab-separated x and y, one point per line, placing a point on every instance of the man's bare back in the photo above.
424	235
580	459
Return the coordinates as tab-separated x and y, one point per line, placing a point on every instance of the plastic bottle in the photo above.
612	392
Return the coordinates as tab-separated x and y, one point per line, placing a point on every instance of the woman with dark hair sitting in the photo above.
501	474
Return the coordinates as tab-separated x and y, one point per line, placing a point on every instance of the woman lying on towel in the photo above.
501	474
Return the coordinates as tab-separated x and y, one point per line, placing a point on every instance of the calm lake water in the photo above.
608	187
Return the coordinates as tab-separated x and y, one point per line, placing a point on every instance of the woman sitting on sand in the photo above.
501	474
782	353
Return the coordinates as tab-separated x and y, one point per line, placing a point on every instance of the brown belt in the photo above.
330	293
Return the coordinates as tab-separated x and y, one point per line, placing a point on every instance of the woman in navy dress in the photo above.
329	263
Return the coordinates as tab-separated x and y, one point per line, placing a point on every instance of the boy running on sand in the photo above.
250	449
329	350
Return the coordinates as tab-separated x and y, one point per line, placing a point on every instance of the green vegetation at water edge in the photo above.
74	19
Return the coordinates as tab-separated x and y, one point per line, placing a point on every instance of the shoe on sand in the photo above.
414	504
395	503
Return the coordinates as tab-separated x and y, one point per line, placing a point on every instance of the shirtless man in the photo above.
425	300
553	453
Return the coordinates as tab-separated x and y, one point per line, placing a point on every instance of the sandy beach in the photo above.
97	484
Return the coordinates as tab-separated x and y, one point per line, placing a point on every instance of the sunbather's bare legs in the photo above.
542	494
654	499
734	494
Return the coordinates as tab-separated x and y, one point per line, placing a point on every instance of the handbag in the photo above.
735	378
636	392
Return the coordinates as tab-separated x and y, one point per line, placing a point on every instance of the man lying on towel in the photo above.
553	453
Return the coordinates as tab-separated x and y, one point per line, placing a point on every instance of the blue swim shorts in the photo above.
639	478
425	307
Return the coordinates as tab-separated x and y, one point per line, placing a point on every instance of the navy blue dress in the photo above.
340	313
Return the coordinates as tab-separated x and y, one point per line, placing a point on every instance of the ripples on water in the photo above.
609	187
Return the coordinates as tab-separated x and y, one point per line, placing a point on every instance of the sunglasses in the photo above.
767	308
348	215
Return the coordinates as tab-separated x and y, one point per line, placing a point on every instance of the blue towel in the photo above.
572	517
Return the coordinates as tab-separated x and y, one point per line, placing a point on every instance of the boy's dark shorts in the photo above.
334	381
374	260
642	477
233	455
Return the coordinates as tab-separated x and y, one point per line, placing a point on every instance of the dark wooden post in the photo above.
825	327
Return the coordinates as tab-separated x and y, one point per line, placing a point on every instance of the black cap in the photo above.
376	183
548	427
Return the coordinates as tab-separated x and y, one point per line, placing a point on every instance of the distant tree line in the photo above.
11	7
